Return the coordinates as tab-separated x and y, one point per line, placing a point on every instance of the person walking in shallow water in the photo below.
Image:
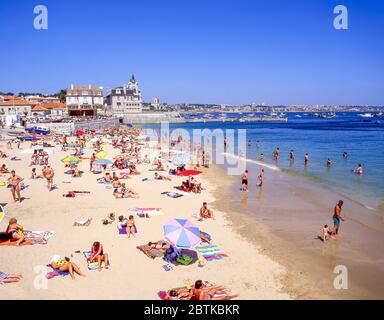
244	181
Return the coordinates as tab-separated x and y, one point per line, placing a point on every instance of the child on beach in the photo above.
325	233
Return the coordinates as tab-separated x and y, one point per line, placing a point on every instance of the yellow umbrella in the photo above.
70	159
101	155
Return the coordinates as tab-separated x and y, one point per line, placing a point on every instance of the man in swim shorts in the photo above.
244	181
48	174
14	181
337	217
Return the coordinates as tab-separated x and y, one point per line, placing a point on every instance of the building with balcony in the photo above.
84	100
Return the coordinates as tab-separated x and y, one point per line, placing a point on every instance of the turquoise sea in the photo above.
361	137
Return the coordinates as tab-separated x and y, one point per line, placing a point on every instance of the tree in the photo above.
62	95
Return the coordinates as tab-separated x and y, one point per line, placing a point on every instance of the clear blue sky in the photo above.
199	51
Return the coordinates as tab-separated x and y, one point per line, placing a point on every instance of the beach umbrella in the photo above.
182	233
181	159
104	162
80	132
70	159
101	155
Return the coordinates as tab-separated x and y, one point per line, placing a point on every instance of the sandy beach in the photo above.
247	271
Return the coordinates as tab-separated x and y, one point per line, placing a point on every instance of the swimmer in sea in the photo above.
329	162
345	154
306	159
358	170
261	158
291	155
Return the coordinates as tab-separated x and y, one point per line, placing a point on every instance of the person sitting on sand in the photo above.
4	169
123	222
161	177
66	265
116	183
107	177
97	254
34	174
15	231
200	291
8	278
205	213
160	166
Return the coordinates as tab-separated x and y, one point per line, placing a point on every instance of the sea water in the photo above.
362	139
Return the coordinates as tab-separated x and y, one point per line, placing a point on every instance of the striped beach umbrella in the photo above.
182	233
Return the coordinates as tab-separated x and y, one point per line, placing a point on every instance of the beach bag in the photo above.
184	259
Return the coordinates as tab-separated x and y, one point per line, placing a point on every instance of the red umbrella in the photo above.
187	173
80	132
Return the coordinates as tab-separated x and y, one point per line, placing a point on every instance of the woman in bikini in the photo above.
15	231
66	265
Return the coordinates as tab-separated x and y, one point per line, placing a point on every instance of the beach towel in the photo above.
151	252
55	273
172	194
93	265
150	212
211	252
124	230
12	242
38	237
187	173
82	223
2	213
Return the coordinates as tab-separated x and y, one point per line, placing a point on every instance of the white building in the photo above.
125	99
84	100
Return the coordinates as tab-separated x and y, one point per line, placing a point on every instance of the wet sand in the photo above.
283	219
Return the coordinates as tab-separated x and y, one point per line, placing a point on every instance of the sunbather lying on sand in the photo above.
161	177
66	265
200	291
15	231
8	278
159	245
125	193
178	294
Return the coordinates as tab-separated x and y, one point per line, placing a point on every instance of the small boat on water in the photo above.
366	115
379	115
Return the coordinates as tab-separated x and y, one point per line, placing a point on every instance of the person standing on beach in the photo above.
225	144
261	178
14	181
337	217
306	159
244	181
93	159
48	174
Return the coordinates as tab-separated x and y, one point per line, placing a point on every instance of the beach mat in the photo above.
211	252
151	252
93	265
172	194
55	273
13	242
38	237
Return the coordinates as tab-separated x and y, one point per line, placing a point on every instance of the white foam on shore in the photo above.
260	163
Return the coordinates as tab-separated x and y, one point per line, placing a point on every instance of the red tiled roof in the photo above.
16	102
39	108
53	105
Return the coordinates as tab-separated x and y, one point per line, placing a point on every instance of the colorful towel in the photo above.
93	265
211	252
55	273
151	212
13	243
39	237
151	252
